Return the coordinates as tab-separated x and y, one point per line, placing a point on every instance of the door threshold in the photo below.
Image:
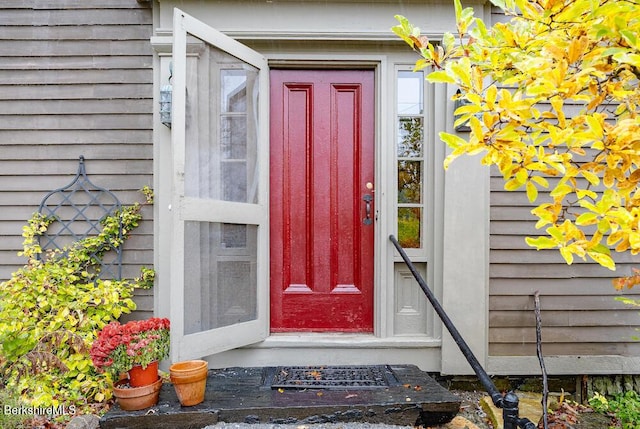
343	340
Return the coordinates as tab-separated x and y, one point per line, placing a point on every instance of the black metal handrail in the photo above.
509	402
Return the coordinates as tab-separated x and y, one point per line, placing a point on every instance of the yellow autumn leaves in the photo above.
551	99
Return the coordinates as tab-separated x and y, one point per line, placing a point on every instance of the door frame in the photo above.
281	45
425	350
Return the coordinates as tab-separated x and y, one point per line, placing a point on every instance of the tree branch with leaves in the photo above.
552	100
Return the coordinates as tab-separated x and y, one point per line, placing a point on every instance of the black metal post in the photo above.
510	413
508	403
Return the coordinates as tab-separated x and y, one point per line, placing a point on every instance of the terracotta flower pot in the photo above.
189	379
139	376
137	398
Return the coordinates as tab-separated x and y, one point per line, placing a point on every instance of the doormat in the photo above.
331	377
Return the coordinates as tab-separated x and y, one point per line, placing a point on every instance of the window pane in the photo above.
410	182
410	133
235	186
220	283
410	90
409	227
234	90
234	235
234	137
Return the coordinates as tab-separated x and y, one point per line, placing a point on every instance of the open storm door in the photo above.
219	267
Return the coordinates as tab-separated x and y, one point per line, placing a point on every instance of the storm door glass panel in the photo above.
410	157
222	94
220	286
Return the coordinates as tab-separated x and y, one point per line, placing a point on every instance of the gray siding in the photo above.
75	79
580	315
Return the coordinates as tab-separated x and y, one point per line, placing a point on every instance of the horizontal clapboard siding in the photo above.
75	79
80	15
580	315
66	63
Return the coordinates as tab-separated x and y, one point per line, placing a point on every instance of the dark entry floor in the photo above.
392	394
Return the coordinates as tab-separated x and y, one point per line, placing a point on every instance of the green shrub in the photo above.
52	308
625	407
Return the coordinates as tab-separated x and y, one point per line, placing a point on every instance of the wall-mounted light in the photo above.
166	93
459	102
165	105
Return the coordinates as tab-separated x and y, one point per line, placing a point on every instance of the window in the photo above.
410	154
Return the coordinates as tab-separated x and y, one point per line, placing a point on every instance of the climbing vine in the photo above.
51	309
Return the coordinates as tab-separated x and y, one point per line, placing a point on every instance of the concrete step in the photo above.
248	395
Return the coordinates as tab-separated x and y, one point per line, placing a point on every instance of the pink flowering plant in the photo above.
119	348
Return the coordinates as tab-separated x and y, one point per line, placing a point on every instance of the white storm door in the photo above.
219	254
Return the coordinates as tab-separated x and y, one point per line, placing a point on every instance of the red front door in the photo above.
322	214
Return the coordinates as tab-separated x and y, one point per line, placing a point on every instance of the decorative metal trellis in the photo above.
78	209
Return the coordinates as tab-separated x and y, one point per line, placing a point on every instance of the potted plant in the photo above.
133	349
189	380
